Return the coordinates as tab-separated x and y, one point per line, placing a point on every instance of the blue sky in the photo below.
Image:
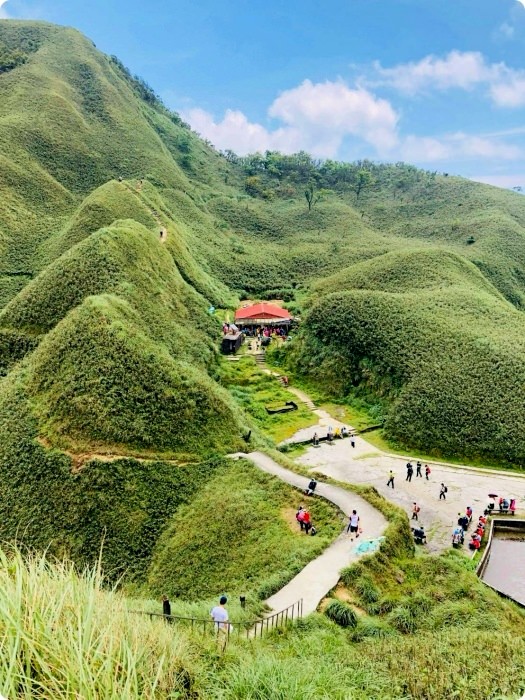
438	83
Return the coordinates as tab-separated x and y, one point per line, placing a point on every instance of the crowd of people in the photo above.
331	435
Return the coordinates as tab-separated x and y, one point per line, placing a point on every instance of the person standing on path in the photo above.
410	471
390	481
219	615
427	471
353	524
415	511
418	469
443	492
299	516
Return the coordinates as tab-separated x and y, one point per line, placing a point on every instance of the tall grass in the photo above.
63	636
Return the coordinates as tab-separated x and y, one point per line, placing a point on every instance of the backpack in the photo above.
418	509
446	489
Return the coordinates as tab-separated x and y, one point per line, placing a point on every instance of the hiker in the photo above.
311	488
352	441
390	481
457	537
443	492
219	615
512	506
306	521
418	469
353	524
475	542
415	511
463	522
166	608
420	536
469	513
299	516
344	431
337	433
410	471
315	440
427	471
330	434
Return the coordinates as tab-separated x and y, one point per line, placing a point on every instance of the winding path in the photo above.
321	575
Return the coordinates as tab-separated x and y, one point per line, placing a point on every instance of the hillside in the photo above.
120	228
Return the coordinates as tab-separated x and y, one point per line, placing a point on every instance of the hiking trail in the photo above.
319	576
163	231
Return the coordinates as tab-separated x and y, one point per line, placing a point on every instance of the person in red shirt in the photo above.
307	521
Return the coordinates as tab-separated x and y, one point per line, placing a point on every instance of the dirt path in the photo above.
321	575
163	231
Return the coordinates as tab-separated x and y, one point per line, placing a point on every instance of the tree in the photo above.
363	179
311	196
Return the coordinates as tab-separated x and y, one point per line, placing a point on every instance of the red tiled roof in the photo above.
261	311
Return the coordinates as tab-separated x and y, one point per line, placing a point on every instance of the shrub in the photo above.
341	613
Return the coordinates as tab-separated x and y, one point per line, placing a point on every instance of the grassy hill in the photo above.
116	412
411	288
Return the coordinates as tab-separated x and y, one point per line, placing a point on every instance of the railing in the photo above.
501	525
249	628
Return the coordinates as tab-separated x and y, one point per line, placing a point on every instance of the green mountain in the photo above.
120	227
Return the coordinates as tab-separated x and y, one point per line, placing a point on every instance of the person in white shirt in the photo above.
353	524
219	615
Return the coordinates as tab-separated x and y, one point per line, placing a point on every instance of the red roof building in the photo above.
262	314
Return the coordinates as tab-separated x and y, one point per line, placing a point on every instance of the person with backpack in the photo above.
415	511
390	481
418	469
443	492
427	471
306	521
410	471
311	487
299	516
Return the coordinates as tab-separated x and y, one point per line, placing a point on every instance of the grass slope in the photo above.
433	349
238	535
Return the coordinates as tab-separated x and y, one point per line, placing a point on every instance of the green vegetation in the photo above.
440	363
63	637
239	535
341	613
116	412
254	391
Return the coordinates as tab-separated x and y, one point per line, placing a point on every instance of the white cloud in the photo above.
3	11
235	131
509	92
462	70
457	69
316	117
457	146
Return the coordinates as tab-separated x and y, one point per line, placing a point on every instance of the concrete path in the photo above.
322	574
365	464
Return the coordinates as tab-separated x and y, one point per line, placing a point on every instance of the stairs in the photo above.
259	358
